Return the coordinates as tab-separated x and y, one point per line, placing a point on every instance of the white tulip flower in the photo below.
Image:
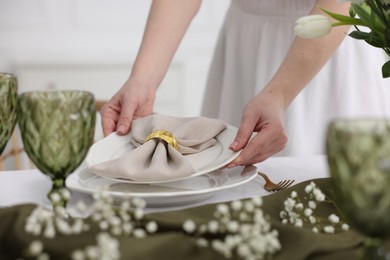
312	26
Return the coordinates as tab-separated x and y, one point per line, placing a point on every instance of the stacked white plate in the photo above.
206	181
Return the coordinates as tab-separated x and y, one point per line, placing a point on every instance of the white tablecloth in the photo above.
31	186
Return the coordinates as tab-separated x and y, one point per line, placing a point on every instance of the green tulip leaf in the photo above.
386	70
343	18
387	37
371	38
368	17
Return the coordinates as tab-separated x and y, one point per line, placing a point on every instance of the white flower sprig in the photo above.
36	250
298	213
47	222
247	232
107	247
125	220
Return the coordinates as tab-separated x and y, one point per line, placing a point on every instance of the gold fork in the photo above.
271	186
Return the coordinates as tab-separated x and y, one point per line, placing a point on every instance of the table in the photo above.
31	186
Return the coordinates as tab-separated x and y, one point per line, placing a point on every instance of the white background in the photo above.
91	45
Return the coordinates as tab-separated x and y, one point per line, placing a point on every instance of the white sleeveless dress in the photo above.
254	39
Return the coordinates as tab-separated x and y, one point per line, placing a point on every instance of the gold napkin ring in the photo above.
164	135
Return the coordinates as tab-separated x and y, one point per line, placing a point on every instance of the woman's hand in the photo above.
167	23
264	115
132	101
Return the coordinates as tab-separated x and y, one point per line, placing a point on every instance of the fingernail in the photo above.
234	145
121	130
231	165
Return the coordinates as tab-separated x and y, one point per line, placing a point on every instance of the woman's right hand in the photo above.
132	101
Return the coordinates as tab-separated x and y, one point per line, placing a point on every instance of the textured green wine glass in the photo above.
8	103
358	153
57	129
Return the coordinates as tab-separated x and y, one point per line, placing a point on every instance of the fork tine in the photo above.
281	185
285	185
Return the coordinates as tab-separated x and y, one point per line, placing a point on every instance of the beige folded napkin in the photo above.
155	160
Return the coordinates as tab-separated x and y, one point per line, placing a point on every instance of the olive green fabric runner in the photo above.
170	242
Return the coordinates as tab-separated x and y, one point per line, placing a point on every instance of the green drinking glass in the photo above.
8	103
57	129
358	153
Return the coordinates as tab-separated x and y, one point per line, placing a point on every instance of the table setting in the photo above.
163	191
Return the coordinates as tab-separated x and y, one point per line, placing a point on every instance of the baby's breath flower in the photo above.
243	250
55	197
299	206
139	233
92	252
65	193
283	214
298	222
151	226
127	228
257	201
329	229
189	226
297	212
334	219
293	194
43	256
223	209
246	229
236	205
138	213
232	226
249	206
312	204
345	226
320	197
81	206
103	225
202	242
213	226
308	212
35	248
78	255
138	202
308	188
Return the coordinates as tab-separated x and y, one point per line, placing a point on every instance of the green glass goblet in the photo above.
8	103
358	153
57	129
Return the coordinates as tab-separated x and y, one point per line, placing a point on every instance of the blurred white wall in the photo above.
91	45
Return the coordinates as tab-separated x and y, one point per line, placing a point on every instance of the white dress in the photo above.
254	39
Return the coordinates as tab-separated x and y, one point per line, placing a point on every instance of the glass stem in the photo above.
55	195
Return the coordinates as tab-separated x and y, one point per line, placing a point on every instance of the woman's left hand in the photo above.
263	115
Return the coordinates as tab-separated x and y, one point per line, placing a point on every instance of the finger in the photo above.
108	127
109	118
244	133
125	117
265	144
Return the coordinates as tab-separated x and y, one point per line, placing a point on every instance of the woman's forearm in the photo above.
166	25
306	57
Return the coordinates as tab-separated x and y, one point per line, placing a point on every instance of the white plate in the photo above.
210	159
164	194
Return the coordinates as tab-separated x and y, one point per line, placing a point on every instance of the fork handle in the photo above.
264	176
